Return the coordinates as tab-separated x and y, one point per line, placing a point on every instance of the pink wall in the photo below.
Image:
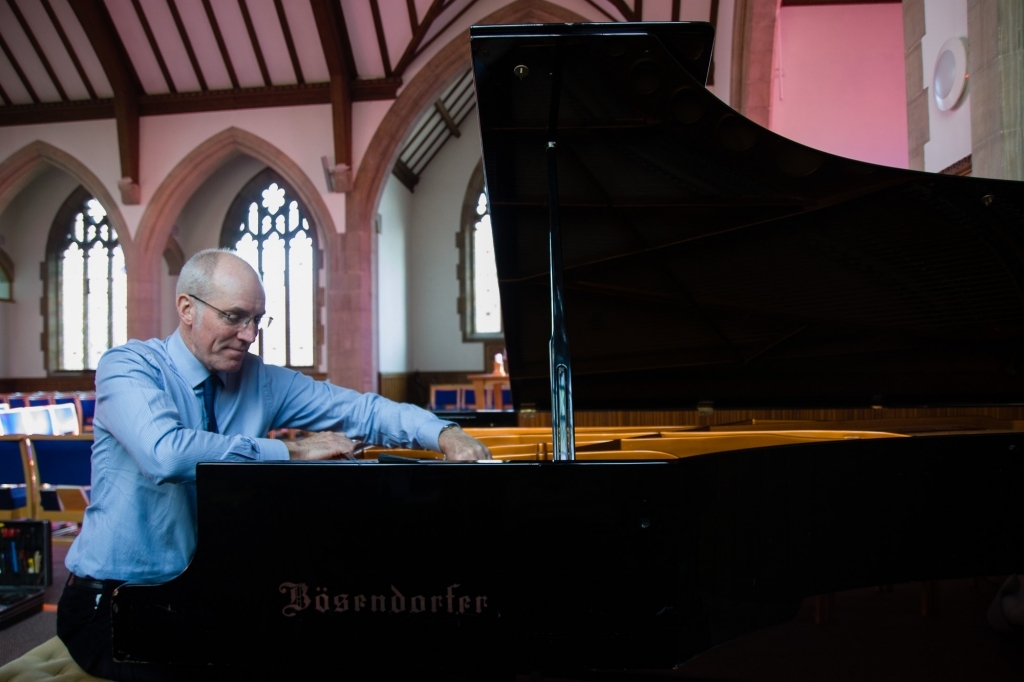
842	85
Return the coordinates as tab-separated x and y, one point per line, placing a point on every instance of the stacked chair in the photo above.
45	464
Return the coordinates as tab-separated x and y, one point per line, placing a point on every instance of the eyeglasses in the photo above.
236	320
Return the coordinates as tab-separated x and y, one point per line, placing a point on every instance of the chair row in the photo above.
458	397
44	420
84	402
45	477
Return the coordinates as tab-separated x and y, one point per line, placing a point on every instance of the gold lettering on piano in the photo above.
299	599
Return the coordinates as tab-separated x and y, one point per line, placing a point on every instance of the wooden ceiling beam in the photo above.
219	37
4	97
675	9
17	69
176	15
446	116
255	41
57	112
330	24
38	49
602	10
410	50
627	13
70	49
289	41
154	46
437	34
193	102
414	21
106	43
382	42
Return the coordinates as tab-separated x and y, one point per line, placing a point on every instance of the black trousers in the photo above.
83	624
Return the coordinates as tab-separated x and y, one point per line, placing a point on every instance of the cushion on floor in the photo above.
48	661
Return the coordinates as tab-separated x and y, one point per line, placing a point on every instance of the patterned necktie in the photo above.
209	394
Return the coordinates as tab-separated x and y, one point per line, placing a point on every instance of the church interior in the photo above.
334	144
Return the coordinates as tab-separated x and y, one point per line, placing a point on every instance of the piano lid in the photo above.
709	259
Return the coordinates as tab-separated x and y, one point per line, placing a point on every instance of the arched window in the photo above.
267	225
479	299
87	290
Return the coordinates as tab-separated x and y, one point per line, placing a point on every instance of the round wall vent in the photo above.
950	77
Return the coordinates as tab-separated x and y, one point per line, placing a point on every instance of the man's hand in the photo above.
324	445
456	444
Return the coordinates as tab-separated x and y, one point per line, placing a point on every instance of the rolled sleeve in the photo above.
428	433
271	450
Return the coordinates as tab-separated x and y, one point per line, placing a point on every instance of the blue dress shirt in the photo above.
149	435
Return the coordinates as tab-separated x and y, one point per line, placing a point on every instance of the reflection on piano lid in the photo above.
708	260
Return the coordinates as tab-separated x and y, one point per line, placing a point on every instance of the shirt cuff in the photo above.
428	434
271	449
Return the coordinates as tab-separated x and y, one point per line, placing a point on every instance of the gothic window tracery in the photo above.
268	227
88	278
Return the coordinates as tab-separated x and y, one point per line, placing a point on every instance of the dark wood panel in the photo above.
56	112
86	381
189	102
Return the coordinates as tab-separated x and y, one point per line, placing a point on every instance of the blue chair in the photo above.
40	399
506	398
15	478
17	400
445	397
87	406
469	399
63	476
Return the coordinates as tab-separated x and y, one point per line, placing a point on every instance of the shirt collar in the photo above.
191	370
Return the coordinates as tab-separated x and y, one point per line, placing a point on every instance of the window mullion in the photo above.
110	295
287	302
85	307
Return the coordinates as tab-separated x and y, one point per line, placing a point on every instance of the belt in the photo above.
87	583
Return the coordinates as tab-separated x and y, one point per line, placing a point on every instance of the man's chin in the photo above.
231	360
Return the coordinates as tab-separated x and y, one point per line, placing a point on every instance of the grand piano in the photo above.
693	260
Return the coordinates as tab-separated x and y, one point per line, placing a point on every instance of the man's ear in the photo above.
186	309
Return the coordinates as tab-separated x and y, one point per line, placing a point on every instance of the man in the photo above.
199	396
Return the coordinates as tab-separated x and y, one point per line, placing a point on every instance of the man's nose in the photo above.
248	332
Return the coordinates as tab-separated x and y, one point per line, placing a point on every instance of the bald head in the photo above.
197	275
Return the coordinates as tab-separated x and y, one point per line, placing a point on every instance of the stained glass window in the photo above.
92	289
480	301
268	228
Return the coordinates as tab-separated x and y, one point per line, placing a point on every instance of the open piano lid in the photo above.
709	259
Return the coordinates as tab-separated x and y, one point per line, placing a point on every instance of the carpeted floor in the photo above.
873	635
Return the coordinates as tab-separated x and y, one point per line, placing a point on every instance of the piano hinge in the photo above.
705	408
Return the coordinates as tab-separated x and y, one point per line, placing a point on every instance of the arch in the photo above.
355	363
26	164
177	188
174	256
